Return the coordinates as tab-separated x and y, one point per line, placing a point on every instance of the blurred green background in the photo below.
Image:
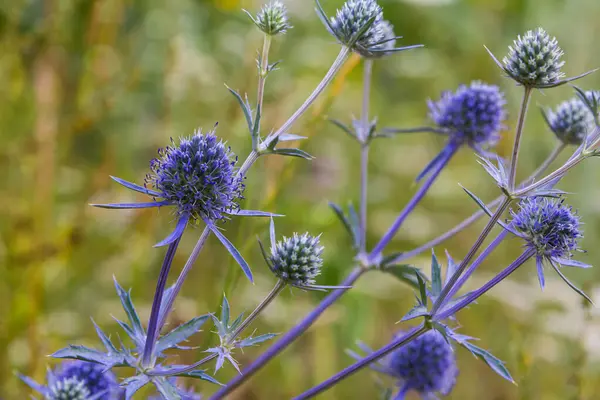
91	88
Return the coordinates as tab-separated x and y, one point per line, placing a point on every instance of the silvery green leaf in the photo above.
110	348
452	267
436	276
167	389
422	289
252	341
344	128
232	250
288	137
135	187
417	311
133	384
494	363
199	374
139	342
132	314
246	109
236	323
292	153
181	333
345	222
272	236
76	352
570	284
405	273
225	312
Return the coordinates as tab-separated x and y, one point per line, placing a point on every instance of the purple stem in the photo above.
289	337
490	284
484	254
158	295
357	366
449	151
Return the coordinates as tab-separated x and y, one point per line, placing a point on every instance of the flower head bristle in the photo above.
427	365
473	114
272	18
550	227
70	388
571	121
198	175
534	60
297	260
94	376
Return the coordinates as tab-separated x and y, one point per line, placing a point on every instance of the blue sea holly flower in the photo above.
571	121
426	365
552	230
198	176
78	380
474	115
360	25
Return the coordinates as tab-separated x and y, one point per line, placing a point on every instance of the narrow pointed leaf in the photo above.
133	384
245	108
166	388
135	187
292	153
127	206
494	363
264	254
233	251
498	63
181	333
272	234
406	273
225	312
324	19
345	222
236	322
540	272
199	374
485	209
416	312
344	128
176	234
572	263
83	353
570	284
436	275
33	384
422	289
254	213
255	340
132	314
110	348
289	137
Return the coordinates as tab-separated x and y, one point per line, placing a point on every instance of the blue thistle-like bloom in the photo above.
297	260
352	18
78	380
473	114
571	121
552	231
534	60
426	365
272	18
198	175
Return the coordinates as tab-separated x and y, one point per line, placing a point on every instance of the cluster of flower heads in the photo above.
297	260
198	175
534	59
571	121
272	18
550	227
473	114
78	380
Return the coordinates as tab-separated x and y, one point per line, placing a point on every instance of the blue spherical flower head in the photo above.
571	121
199	176
426	365
552	231
473	114
96	380
297	260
